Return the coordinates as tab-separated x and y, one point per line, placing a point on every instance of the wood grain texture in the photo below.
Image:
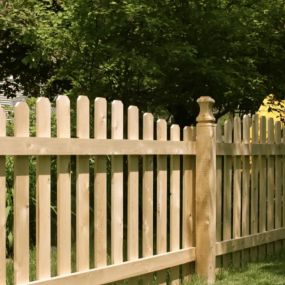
237	192
21	199
227	199
254	187
63	190
100	186
262	189
188	202
147	200
82	187
174	203
245	227
270	185
124	270
43	188
161	214
117	187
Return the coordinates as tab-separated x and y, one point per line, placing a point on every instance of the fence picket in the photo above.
278	185
100	186
43	188
237	191
63	190
147	194
133	190
254	186
161	199
82	188
174	203
227	201
245	187
270	185
117	187
262	189
219	193
188	200
2	203
21	199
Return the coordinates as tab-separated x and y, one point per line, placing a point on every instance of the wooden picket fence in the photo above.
166	202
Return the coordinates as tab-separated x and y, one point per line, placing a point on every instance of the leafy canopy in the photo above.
161	55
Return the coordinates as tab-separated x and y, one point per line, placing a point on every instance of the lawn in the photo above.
269	272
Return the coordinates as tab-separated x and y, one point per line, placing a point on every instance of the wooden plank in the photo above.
245	227
262	189
63	190
133	190
249	149
227	200
76	146
237	192
117	187
161	214
43	188
254	187
174	203
82	187
100	186
278	185
249	241
219	192
124	270
2	203
133	186
188	202
21	199
147	246
270	185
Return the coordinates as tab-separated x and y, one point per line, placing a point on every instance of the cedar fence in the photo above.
163	207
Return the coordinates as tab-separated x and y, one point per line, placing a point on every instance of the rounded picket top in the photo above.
21	119
277	132
189	133
161	126
237	129
43	117
228	131
100	118
148	126
82	117
219	132
262	129
117	119
246	128
175	133
63	116
133	123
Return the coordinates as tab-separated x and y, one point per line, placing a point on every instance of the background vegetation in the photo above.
160	55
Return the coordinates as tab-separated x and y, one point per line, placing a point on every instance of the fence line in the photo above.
148	201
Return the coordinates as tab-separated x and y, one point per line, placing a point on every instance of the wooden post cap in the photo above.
206	110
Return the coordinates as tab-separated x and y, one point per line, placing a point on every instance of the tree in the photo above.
161	55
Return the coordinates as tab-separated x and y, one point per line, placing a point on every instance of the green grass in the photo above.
269	272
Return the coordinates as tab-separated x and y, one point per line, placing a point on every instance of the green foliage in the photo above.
161	55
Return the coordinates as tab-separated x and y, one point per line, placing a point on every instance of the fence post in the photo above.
206	191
